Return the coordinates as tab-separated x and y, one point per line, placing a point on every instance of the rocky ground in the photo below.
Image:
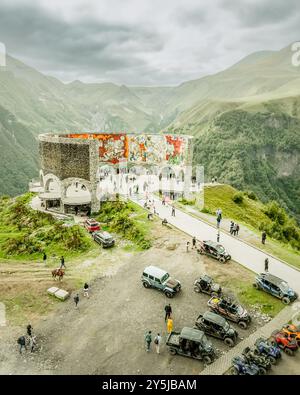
105	335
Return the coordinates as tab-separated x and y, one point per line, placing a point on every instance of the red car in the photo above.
285	342
91	225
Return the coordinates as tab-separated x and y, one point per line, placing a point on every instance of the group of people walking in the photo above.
194	241
234	229
86	294
158	337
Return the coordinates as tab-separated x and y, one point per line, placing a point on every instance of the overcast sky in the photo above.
143	42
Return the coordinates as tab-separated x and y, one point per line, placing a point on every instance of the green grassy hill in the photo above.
247	210
25	233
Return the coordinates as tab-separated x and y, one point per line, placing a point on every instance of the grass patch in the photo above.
254	215
127	219
25	233
250	297
241	207
24	304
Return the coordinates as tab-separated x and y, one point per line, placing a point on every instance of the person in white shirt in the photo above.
157	342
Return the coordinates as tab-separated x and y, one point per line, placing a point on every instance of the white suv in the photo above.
154	277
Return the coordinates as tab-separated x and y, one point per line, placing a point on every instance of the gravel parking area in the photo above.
106	334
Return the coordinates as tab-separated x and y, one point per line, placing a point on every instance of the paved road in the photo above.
246	255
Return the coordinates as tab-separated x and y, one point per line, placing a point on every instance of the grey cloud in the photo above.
255	13
86	45
161	43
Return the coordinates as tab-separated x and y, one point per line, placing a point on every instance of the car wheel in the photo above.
243	324
207	359
222	259
197	289
262	371
273	360
146	285
255	286
169	294
286	300
172	351
229	341
289	352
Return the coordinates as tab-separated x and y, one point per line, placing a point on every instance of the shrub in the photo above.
238	198
206	210
187	202
251	195
276	213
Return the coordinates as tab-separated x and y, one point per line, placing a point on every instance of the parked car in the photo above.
91	225
242	368
207	285
104	238
214	250
276	287
214	325
191	342
284	342
265	347
293	331
261	361
154	277
230	310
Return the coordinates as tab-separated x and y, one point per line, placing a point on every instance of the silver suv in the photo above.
153	277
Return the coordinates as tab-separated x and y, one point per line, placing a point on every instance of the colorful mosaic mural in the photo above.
147	148
113	147
139	147
176	149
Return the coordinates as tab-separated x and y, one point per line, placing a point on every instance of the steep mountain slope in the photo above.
268	74
255	147
19	158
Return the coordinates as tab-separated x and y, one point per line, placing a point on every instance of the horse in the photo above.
58	273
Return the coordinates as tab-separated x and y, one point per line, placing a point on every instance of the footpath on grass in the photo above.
245	254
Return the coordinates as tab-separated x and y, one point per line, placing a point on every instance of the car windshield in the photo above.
239	309
165	277
226	326
284	286
220	248
106	236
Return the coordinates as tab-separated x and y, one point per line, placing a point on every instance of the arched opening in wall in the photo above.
167	172
76	197
52	185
